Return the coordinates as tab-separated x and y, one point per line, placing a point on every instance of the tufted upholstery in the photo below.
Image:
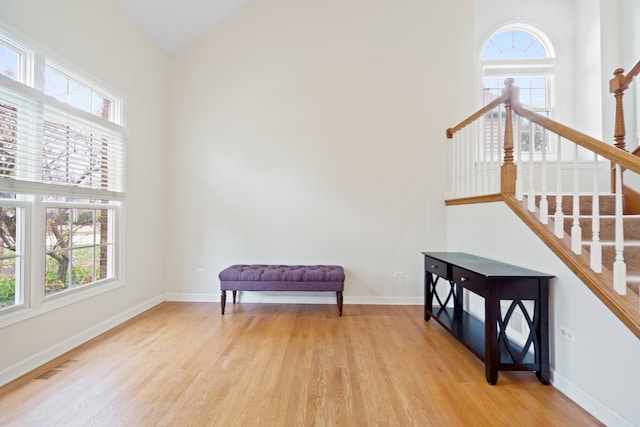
283	273
259	277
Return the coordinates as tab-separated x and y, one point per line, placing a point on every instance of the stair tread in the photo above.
607	216
627	243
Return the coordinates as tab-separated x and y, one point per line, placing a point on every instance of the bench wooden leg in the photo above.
234	296
223	300
339	295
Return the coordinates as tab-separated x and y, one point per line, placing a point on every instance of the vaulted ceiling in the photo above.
172	24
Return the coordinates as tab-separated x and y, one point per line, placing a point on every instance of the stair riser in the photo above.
606	201
631	258
607	231
607	228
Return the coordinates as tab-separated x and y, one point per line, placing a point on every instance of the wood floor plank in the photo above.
279	365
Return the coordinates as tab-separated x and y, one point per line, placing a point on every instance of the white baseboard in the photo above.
294	298
190	297
590	404
27	365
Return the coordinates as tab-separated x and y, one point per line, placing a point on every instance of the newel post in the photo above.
617	87
508	170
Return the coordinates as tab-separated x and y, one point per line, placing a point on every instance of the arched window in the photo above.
512	43
525	54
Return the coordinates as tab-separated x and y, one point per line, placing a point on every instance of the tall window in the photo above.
11	255
523	53
16	59
61	178
72	90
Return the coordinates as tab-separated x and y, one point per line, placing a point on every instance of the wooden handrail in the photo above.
621	157
490	106
626	80
616	154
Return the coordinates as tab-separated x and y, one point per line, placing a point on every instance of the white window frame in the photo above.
113	231
32	197
23	235
26	64
524	67
115	113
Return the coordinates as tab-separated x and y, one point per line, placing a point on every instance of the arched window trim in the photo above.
522	67
529	29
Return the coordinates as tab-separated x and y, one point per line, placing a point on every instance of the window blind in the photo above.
47	143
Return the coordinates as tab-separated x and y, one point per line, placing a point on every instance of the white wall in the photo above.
620	45
600	370
96	37
630	57
589	77
313	132
611	58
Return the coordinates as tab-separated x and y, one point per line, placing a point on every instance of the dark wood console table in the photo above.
495	282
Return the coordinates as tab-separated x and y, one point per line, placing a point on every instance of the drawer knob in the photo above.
463	279
434	266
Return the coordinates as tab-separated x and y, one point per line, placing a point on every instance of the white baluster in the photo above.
469	161
471	172
489	156
482	156
596	246
619	266
481	148
455	170
494	158
518	148
459	151
489	147
544	204
531	193
463	161
558	217
499	146
576	230
632	138
478	159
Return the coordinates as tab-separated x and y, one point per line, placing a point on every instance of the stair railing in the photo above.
474	169
483	156
618	85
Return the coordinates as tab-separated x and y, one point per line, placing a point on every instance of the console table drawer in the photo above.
437	267
473	281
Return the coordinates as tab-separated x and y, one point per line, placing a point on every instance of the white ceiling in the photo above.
172	24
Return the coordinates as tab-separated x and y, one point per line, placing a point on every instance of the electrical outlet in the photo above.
199	271
567	334
398	274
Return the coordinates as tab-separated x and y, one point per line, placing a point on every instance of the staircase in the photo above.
492	161
606	233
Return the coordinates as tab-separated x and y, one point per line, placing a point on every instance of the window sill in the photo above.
57	302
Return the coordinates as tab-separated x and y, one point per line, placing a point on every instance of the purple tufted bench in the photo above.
281	278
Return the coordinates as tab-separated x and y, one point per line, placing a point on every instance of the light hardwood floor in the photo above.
182	364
